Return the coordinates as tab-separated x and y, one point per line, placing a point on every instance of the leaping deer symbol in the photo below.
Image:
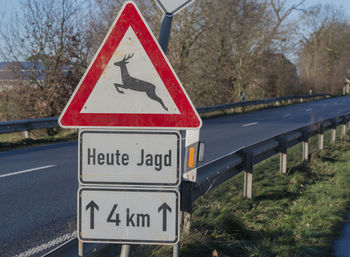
136	84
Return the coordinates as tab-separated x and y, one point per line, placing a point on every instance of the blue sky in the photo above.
344	3
9	7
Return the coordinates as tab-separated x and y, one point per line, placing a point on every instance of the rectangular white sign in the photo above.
129	157
126	215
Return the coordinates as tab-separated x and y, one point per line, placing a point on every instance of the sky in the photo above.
9	7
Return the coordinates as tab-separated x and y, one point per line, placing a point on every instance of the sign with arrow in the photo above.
92	206
128	215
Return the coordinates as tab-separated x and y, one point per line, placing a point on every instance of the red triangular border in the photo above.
130	16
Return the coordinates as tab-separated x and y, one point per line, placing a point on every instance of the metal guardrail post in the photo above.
305	150
305	144
283	154
333	135
333	131
321	136
248	175
343	130
320	140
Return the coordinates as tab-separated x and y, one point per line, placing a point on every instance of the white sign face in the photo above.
125	215
130	83
129	157
112	95
173	6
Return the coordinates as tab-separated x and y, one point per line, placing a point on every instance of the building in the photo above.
13	72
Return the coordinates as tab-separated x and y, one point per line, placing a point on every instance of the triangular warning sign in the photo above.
130	83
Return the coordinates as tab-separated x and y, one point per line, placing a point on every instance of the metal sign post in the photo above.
165	29
130	106
169	8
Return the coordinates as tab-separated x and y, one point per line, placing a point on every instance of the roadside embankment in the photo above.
299	214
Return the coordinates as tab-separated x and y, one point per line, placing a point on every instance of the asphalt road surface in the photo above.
39	184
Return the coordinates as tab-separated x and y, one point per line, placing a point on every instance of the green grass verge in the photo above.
296	215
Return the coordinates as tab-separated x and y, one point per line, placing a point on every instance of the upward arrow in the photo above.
92	206
164	207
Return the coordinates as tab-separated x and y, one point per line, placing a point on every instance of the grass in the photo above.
296	215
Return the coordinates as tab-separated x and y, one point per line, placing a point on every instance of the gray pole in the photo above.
176	252
164	33
125	251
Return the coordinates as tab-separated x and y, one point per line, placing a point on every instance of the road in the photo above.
39	184
224	135
342	245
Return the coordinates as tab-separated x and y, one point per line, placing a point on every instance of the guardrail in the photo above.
215	173
51	122
270	101
29	124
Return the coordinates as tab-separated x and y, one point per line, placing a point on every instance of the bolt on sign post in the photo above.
129	107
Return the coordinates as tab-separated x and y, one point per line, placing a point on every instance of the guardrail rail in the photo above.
215	173
52	122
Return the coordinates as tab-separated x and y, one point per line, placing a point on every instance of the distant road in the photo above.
39	184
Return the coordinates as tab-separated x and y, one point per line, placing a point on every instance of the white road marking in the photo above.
249	124
26	171
309	110
47	245
287	115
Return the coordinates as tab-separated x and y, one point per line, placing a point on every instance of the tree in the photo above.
230	49
49	38
216	47
324	57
